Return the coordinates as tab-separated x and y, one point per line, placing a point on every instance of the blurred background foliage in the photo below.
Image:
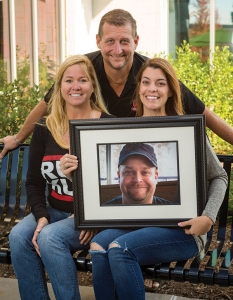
212	83
18	98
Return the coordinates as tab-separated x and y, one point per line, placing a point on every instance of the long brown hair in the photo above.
173	105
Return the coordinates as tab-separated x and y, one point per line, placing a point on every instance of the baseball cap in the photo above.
138	149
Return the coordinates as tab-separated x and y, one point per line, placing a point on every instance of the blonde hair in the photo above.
57	120
174	104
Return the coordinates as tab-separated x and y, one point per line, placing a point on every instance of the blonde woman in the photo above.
45	238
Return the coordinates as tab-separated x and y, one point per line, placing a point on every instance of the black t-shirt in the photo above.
44	169
123	105
156	201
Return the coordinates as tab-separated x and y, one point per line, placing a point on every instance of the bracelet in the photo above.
16	140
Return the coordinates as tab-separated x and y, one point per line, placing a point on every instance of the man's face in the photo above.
117	45
138	179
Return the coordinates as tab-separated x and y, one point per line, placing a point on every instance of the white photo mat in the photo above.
187	173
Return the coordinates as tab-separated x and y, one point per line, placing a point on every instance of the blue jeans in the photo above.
55	241
116	272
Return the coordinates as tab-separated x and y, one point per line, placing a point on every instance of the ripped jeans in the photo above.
116	271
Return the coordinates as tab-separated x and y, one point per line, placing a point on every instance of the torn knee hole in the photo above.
95	246
113	245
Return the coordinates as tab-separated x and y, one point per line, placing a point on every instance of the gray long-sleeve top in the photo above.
217	185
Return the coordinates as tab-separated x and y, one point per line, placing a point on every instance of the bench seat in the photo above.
215	267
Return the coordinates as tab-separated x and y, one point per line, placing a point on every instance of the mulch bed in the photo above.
184	289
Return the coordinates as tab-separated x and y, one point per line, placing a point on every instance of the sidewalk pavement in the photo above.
9	291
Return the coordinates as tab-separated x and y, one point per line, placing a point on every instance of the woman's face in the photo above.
76	89
154	91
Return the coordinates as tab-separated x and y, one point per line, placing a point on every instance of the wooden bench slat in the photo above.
13	185
223	213
23	193
13	199
227	259
178	272
3	183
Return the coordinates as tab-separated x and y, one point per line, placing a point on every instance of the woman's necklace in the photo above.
117	82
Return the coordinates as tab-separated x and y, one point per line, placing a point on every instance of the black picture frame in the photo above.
188	132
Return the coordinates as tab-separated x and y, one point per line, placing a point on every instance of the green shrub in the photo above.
213	84
17	99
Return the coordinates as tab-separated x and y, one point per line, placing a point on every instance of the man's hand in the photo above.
9	141
198	226
9	144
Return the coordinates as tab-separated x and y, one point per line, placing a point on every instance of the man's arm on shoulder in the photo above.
12	142
218	126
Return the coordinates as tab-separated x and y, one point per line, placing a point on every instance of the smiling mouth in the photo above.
117	57
75	95
137	187
152	97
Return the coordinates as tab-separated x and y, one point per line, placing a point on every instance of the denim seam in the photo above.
142	295
165	242
40	278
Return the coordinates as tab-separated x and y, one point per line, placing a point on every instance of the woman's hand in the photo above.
86	235
40	224
68	163
198	226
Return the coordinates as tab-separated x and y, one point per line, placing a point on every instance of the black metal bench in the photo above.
215	268
13	200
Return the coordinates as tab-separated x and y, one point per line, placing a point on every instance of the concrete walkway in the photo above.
9	291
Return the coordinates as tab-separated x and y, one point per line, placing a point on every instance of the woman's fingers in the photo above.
34	242
86	236
68	163
40	224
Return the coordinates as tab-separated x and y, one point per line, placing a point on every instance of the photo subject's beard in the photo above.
137	193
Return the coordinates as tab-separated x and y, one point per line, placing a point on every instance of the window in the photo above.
23	39
190	20
4	43
166	154
28	40
47	40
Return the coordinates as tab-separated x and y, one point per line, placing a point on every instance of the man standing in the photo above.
116	66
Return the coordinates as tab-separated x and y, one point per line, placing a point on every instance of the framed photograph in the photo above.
138	172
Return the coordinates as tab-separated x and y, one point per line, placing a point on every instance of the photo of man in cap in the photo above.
137	175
